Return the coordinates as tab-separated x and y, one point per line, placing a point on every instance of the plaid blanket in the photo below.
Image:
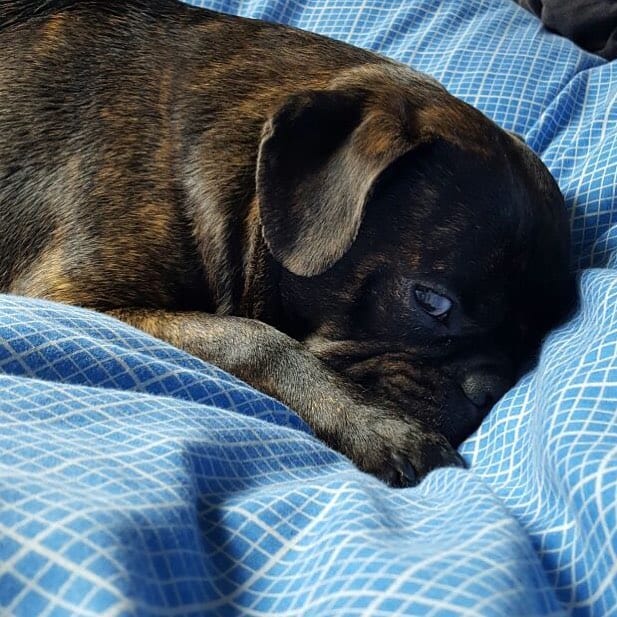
136	480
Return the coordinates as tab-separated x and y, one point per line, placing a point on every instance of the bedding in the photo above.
136	480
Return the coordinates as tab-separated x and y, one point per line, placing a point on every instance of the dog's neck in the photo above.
242	278
260	274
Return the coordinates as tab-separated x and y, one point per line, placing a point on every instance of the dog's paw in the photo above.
401	451
408	464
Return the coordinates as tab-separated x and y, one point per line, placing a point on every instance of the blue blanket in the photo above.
136	480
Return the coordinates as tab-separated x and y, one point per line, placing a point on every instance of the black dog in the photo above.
328	225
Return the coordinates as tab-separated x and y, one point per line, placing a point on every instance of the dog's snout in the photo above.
484	388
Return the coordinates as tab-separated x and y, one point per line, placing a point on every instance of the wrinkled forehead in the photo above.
453	201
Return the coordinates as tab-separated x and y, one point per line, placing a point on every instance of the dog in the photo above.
328	225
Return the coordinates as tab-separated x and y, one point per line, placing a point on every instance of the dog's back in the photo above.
105	107
16	12
87	161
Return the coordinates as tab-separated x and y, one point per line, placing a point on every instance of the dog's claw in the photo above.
407	474
459	461
404	475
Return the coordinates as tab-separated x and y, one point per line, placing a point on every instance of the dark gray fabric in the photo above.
591	24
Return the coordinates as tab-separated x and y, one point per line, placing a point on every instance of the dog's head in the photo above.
425	251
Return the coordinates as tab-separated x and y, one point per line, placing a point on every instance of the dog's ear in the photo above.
319	157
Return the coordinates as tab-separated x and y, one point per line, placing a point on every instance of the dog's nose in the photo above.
484	388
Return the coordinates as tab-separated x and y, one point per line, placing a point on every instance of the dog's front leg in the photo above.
379	440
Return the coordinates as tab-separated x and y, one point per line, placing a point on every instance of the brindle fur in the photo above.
223	184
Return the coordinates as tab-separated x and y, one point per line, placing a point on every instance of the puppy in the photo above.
326	224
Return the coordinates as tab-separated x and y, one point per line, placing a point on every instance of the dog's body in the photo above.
328	225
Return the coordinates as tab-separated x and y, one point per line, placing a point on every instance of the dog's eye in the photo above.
433	303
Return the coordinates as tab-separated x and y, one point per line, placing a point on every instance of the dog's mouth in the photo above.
450	397
452	406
